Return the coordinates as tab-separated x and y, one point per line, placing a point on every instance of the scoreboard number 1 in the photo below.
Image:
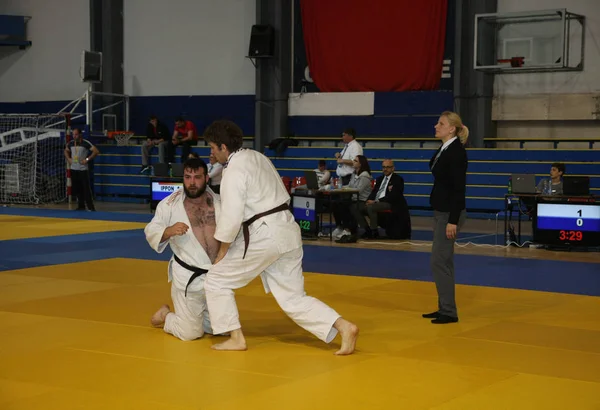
579	220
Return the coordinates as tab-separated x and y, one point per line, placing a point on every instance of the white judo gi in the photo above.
190	320
251	185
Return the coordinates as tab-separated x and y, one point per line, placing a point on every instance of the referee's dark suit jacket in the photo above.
450	180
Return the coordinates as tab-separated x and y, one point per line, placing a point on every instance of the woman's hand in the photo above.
451	231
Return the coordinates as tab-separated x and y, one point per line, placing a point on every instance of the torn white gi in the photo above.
190	319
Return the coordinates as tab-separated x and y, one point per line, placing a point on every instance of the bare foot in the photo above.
235	342
158	320
349	333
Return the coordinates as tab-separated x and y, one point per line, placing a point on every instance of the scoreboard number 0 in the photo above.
579	220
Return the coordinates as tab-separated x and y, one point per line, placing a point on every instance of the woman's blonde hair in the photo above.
462	132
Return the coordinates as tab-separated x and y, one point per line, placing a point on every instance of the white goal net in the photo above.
32	161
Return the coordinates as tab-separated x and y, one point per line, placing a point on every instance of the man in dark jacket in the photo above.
158	135
387	195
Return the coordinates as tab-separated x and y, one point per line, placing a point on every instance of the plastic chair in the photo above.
177	170
287	182
298	181
161	169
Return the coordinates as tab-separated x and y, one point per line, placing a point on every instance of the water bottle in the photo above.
510	185
339	184
547	187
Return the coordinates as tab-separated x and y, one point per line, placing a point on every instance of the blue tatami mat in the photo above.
531	274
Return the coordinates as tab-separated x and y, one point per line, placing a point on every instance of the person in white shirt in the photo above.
259	236
196	207
345	158
215	171
323	175
343	210
79	152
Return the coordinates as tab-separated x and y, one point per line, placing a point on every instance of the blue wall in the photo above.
202	110
396	114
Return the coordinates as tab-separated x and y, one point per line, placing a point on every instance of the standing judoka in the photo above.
259	236
194	250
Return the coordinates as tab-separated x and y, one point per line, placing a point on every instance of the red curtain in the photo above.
374	45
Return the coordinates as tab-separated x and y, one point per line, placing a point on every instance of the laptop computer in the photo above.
312	181
523	183
576	186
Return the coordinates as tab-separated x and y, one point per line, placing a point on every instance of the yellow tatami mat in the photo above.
77	336
21	227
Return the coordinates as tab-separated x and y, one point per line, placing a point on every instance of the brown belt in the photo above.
246	225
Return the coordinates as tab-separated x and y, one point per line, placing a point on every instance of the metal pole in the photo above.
127	113
88	107
72	102
109	94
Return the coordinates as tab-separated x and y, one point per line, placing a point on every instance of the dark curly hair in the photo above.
224	132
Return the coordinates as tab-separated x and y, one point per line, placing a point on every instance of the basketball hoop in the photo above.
122	137
513	61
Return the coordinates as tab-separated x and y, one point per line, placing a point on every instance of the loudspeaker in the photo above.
262	41
91	67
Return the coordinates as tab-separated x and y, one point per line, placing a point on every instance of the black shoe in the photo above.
347	239
368	234
443	319
433	315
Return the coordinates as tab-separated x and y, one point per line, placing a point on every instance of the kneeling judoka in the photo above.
194	250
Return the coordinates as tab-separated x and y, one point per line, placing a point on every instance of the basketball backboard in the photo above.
536	41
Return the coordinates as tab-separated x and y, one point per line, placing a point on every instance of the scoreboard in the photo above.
569	224
160	189
305	213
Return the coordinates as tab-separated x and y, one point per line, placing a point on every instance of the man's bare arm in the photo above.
68	155
188	137
174	230
222	251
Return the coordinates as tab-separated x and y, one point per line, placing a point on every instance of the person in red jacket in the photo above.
185	135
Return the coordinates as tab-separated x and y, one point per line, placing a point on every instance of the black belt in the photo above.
249	222
197	271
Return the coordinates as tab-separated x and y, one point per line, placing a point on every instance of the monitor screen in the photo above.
304	210
162	189
572	224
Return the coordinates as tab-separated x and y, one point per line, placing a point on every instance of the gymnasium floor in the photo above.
77	291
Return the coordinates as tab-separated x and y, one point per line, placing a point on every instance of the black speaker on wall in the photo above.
262	41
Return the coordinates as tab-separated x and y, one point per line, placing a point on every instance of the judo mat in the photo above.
75	310
18	227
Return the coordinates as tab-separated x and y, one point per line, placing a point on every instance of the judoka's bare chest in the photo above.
203	223
200	215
